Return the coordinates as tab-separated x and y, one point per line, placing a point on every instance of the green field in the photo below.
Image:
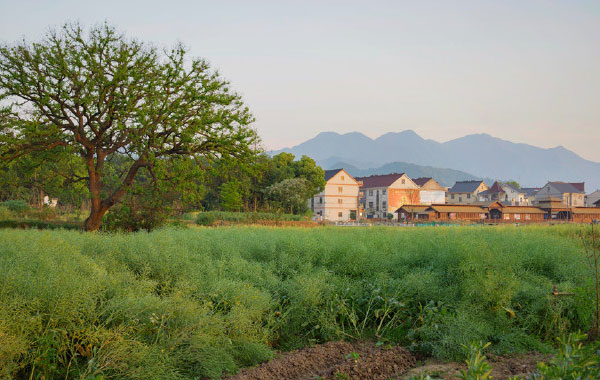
184	304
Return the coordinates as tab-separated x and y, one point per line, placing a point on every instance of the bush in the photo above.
205	219
124	217
16	206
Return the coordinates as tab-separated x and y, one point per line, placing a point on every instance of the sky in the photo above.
525	70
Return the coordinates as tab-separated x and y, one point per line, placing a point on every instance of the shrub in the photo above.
205	219
16	206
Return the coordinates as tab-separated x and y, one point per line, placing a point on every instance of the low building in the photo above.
430	191
555	209
465	192
450	212
413	213
571	194
586	214
592	198
500	212
339	200
383	194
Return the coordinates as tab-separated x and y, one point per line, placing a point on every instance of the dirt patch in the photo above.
335	361
504	366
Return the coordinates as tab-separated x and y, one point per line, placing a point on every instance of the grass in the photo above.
183	304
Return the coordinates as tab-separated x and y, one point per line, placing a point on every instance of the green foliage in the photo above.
183	304
231	199
477	366
128	217
574	361
16	206
207	218
290	195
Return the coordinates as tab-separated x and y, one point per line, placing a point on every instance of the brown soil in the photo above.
365	361
504	367
333	361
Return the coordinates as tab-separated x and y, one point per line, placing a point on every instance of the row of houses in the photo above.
347	198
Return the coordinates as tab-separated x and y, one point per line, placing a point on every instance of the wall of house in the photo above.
428	197
376	204
461	198
339	198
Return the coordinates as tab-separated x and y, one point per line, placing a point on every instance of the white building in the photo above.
339	200
431	192
571	194
592	198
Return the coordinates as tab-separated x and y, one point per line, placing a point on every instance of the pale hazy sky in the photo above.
525	71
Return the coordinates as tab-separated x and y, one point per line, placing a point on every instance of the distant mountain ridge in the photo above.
482	155
445	177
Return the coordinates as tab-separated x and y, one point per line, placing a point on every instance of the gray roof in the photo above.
330	173
530	191
565	187
513	188
465	187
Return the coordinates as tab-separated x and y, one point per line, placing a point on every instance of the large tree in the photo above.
99	94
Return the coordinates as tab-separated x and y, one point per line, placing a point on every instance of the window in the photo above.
384	205
460	199
370	204
452	196
383	191
340	201
339	214
403	181
340	189
370	192
518	216
506	217
321	200
468	196
527	216
342	178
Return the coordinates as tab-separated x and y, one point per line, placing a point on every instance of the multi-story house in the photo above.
592	198
384	194
571	194
431	192
339	199
465	192
505	193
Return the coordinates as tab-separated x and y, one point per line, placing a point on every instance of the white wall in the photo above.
429	197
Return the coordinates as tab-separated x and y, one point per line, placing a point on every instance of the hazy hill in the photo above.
446	177
481	155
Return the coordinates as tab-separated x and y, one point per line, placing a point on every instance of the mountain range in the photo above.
478	156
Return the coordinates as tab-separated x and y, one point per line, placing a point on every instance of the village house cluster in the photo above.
397	196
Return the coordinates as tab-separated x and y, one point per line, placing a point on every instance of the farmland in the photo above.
189	303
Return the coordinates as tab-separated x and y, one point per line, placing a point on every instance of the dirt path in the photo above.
365	361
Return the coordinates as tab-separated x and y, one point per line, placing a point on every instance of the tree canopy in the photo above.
96	94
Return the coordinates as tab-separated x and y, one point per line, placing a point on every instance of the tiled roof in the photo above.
421	181
586	210
529	191
565	187
383	180
579	186
495	188
457	208
330	173
522	210
412	208
465	187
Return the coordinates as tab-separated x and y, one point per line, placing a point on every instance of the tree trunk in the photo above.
94	221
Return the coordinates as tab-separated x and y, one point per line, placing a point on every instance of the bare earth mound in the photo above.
504	366
333	360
